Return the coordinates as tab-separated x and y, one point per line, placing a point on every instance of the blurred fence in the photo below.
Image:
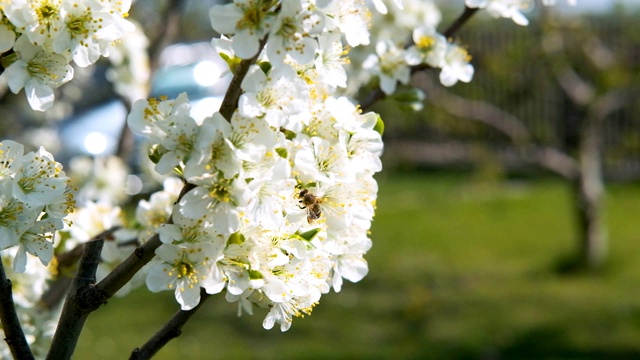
515	86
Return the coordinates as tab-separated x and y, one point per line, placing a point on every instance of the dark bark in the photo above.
14	336
172	329
76	307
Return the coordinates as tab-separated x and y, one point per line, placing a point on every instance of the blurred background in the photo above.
507	214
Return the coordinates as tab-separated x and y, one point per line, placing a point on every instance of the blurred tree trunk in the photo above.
580	63
588	186
588	191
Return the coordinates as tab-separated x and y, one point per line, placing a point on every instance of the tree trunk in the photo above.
588	189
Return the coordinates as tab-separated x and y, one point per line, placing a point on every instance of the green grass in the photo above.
457	271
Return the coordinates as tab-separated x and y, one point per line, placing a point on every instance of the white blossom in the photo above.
511	9
456	66
248	20
88	27
38	72
389	64
183	269
292	33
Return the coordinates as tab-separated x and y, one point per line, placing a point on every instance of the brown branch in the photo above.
172	329
76	309
58	288
488	114
10	323
556	161
230	101
611	101
459	22
168	33
377	94
115	280
478	110
579	90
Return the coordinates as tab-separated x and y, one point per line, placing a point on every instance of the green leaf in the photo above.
8	59
154	153
265	66
282	152
290	135
308	235
412	98
236	238
232	62
379	127
255	275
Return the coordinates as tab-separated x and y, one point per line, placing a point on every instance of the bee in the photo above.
311	203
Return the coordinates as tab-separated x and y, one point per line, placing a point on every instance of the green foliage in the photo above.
456	271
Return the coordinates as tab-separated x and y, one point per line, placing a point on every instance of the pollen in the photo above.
425	42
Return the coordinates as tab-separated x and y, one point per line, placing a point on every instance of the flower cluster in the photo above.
391	62
273	202
510	9
281	194
34	198
39	39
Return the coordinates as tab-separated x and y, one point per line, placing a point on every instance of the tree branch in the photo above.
480	111
58	288
459	22
131	265
545	156
76	309
168	32
10	323
172	329
579	90
556	161
230	101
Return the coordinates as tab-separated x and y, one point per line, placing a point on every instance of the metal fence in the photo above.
514	76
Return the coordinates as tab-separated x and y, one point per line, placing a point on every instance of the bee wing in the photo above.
312	214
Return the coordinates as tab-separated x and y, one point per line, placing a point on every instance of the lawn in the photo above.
458	270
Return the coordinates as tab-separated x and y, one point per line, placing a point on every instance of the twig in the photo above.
115	280
230	101
76	309
168	33
459	22
172	329
377	94
10	322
